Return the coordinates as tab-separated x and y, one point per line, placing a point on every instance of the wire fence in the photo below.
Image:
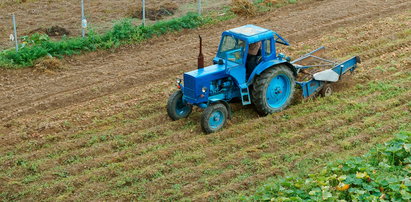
74	18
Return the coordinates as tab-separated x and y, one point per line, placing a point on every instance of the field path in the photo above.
98	128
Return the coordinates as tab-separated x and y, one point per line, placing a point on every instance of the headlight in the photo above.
204	89
179	81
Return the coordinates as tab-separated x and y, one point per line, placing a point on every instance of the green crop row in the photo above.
382	174
38	46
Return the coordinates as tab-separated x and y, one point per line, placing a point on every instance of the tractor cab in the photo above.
235	50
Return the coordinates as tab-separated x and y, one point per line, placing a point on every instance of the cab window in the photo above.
230	43
267	49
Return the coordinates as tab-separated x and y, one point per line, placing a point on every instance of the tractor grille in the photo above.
189	86
189	93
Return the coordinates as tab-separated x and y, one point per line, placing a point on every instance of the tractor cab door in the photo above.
232	50
238	72
265	53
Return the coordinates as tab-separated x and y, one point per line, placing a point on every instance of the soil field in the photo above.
37	15
98	128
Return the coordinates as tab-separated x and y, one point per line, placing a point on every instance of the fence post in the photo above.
83	20
199	7
15	33
144	11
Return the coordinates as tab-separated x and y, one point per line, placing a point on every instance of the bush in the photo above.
382	174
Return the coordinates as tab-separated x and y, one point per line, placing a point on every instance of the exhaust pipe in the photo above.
201	56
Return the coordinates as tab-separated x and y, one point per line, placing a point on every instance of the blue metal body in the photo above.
226	79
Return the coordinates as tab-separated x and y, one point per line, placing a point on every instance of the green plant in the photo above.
382	174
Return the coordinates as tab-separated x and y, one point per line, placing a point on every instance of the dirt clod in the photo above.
57	31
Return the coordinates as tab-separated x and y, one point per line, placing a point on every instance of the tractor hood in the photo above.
207	71
196	80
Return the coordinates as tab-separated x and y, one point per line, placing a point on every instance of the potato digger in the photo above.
269	85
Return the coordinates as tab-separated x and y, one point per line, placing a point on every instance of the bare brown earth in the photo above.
98	128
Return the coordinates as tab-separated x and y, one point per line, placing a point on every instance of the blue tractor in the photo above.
263	78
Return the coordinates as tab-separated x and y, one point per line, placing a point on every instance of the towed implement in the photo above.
248	69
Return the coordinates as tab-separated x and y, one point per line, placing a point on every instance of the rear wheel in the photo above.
214	118
176	107
273	90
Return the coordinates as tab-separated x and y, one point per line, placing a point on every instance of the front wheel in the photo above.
214	118
176	107
273	90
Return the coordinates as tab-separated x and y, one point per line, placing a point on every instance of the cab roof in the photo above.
253	33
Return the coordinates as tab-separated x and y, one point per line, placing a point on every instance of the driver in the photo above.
254	51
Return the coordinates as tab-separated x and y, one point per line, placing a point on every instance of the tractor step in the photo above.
245	94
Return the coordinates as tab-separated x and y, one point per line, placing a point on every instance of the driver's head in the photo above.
254	47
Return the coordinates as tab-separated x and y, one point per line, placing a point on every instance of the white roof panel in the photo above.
248	30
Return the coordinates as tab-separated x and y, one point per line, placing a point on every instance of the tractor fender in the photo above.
266	65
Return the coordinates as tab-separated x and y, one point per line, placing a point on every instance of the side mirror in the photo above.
220	61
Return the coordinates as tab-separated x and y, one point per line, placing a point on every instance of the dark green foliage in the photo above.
38	45
382	174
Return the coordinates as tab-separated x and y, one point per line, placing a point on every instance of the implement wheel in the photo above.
214	118
273	90
327	90
176	107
